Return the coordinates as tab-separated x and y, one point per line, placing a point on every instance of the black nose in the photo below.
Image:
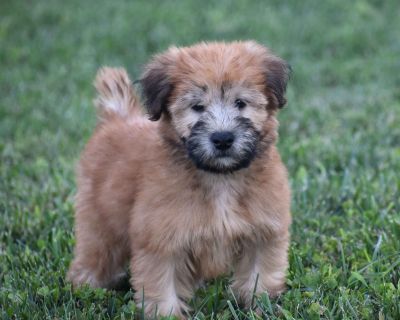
222	140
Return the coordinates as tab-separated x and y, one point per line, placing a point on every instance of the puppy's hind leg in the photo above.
100	253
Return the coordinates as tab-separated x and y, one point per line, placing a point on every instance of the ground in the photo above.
339	136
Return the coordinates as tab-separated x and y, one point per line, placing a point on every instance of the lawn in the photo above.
339	136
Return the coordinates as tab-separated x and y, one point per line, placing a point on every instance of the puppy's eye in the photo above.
198	108
240	104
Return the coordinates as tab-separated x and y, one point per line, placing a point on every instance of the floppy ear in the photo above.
157	86
277	75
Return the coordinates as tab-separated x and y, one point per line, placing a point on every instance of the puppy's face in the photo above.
219	99
220	123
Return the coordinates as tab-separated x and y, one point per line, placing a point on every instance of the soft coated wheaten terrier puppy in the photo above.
200	193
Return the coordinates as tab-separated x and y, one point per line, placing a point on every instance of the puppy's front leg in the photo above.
261	268
159	285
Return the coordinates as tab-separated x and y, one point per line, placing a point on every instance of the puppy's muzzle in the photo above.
222	140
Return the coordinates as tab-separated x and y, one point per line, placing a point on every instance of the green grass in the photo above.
340	138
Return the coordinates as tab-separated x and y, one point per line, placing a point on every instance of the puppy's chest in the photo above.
227	216
219	239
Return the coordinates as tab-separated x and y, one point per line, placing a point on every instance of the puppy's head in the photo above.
219	99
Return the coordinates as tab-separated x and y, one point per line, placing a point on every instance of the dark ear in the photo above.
157	86
277	76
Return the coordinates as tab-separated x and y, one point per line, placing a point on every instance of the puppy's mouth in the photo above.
223	154
222	163
208	156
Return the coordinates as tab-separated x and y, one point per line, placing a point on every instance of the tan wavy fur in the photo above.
143	200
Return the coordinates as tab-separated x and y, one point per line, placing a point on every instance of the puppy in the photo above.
199	191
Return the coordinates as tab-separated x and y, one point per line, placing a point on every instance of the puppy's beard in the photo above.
206	157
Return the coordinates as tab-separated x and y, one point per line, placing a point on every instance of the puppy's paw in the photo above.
165	308
80	275
247	298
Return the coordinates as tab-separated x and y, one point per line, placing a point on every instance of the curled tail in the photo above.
115	95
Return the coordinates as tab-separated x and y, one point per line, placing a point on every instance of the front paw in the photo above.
247	296
166	308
